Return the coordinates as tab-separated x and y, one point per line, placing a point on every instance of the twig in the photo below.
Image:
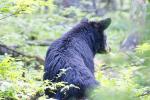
7	16
5	49
17	11
145	93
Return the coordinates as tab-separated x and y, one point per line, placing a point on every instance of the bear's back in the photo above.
66	52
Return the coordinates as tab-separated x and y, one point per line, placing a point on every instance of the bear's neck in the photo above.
84	32
90	40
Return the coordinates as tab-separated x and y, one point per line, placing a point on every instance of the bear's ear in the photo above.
103	24
84	20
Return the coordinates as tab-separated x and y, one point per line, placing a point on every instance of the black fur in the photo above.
75	51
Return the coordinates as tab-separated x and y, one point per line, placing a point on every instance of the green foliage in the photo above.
52	87
16	81
123	76
120	87
23	6
8	69
143	51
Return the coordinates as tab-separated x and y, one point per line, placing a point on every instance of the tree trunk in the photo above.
46	7
137	17
94	6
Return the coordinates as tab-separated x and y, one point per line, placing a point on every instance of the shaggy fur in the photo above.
75	51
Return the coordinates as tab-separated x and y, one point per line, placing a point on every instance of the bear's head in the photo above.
100	38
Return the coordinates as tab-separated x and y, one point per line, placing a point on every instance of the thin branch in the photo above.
7	16
17	12
5	49
145	93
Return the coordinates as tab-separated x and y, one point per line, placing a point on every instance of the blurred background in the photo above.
27	27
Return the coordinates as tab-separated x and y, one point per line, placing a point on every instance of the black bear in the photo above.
75	51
